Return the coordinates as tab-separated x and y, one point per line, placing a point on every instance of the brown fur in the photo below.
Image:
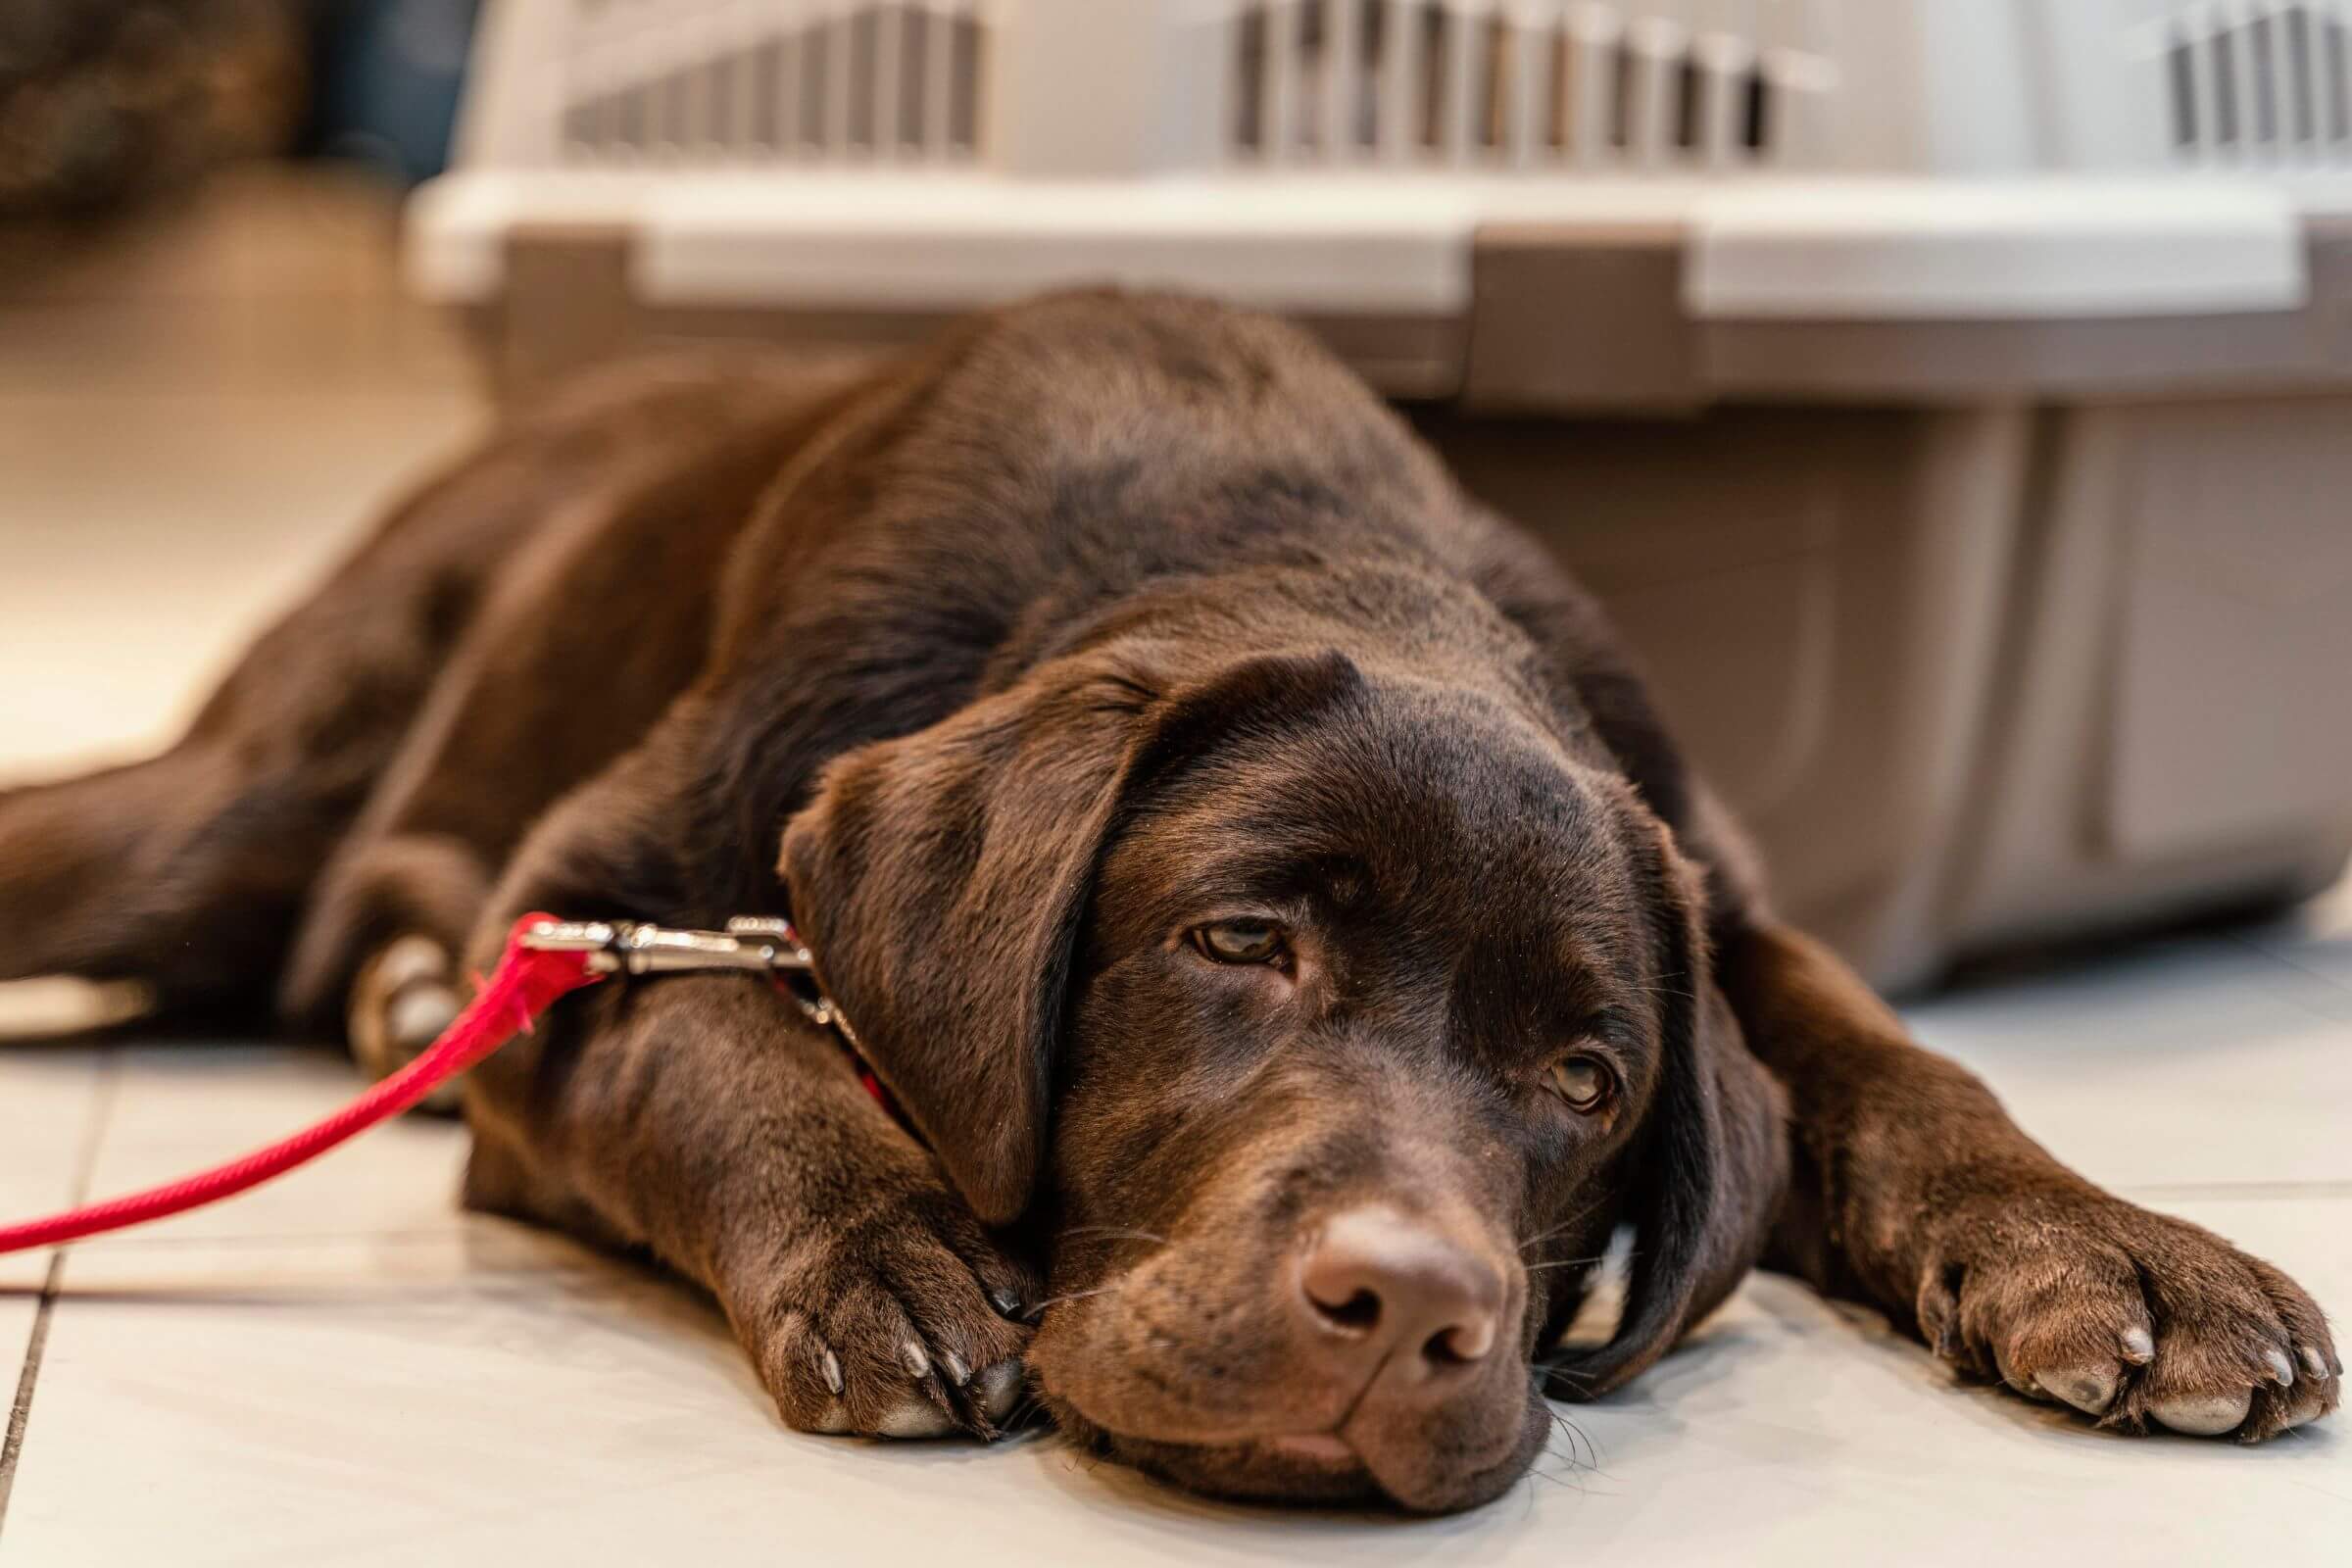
1000	671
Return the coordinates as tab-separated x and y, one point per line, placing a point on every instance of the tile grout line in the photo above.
2297	964
2252	1188
20	1411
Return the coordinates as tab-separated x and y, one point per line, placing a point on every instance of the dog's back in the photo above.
862	552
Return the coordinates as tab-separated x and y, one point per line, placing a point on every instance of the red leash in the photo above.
527	982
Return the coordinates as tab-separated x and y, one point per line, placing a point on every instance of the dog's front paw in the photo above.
2131	1317
899	1320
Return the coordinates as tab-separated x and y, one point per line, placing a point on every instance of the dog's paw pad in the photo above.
399	1004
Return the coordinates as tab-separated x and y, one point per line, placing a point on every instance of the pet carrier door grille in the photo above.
1524	85
756	81
2254	81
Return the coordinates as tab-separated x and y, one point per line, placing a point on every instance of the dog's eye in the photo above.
1582	1082
1240	942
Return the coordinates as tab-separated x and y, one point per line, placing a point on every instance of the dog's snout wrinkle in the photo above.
1381	1288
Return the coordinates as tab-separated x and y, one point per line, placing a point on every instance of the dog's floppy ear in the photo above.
940	879
1713	1164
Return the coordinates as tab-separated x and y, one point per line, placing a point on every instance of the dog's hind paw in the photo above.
405	996
2133	1318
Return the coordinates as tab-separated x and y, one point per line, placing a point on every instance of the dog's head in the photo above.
1329	1017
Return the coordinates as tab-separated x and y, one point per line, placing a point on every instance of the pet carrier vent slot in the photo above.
2261	83
1516	83
759	80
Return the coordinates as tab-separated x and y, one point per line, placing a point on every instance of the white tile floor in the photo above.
343	1368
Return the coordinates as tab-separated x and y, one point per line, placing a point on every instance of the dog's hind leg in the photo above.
188	871
191	871
138	874
601	619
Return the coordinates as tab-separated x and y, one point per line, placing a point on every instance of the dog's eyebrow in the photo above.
1547	987
1246	874
1115	693
1612	1025
1346	879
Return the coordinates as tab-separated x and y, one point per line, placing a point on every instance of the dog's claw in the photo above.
2283	1371
957	1373
917	1364
830	1365
2139	1346
2315	1365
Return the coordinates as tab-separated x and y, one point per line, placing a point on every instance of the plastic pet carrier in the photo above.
1951	398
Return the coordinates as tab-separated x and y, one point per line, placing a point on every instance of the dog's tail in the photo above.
186	872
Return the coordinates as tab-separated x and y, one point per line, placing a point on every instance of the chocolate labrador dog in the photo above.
1252	869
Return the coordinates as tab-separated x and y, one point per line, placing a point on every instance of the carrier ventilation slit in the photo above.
1529	84
2259	83
762	81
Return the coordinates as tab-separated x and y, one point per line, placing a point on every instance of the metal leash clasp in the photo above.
758	943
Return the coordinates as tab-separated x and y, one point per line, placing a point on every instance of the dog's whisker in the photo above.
1580	1454
1565	1262
1536	1472
1590	1458
1564	1427
1121	1231
1546	1234
1039	1310
1566	1375
1562	1432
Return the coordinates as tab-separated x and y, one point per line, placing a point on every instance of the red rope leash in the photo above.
527	984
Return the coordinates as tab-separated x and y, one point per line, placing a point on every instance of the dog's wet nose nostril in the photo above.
1374	1280
1357	1313
1461	1342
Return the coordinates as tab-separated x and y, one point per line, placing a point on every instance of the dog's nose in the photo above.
1377	1284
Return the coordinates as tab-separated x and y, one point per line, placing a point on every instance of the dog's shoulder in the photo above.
1060	466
